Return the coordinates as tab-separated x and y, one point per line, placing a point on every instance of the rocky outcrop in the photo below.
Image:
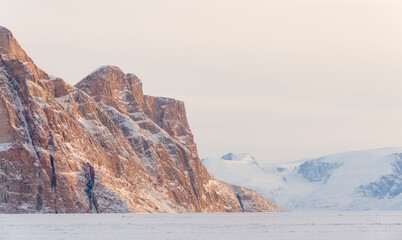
253	202
316	170
387	186
101	146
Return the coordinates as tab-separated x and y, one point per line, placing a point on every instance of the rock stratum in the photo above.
101	146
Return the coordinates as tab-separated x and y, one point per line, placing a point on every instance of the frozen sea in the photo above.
220	226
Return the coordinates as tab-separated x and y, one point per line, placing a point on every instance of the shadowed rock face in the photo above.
101	146
317	170
387	186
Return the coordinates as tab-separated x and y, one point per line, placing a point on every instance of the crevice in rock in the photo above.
6	198
90	182
54	178
241	203
39	200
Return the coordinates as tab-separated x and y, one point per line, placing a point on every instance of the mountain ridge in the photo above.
351	181
102	146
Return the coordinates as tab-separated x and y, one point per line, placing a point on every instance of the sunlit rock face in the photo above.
101	146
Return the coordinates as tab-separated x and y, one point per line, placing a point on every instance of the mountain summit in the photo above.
101	146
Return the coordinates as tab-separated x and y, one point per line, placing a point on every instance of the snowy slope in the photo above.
361	180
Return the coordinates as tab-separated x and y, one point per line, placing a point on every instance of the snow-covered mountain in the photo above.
361	180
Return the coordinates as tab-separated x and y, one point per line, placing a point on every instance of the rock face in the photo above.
387	186
316	170
101	146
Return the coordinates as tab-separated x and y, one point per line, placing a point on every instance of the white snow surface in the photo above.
5	146
352	181
210	226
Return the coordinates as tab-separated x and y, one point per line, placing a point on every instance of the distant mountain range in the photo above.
352	181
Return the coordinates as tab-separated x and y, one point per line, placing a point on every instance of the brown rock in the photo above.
101	146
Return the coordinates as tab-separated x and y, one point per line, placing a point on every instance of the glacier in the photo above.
369	180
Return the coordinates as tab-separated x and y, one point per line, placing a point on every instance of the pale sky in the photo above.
279	79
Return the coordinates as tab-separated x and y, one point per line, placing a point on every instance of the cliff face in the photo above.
101	146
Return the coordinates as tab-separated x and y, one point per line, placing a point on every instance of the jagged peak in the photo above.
106	68
4	31
8	44
133	79
243	158
111	85
236	156
109	73
228	156
105	73
10	48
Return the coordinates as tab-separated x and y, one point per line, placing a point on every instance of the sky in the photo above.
281	80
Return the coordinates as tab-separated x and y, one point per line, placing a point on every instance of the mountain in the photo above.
352	181
100	146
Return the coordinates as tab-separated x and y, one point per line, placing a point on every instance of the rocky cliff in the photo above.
101	146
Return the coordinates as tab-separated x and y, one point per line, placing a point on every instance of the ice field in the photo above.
222	226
